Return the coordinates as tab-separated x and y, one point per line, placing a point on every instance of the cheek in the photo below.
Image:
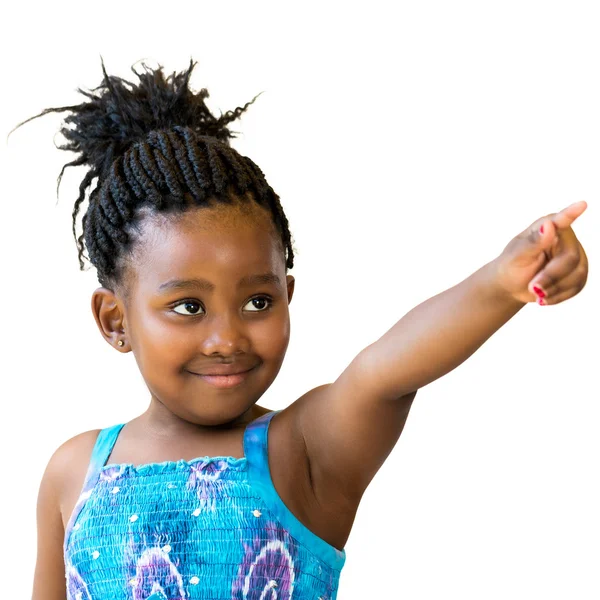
271	339
160	343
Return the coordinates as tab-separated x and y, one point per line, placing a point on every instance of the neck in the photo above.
160	421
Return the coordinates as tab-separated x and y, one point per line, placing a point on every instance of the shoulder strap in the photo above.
256	450
102	448
255	442
104	444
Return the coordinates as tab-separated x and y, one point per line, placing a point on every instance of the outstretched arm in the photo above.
351	425
437	336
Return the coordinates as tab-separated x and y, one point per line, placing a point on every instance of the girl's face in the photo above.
208	290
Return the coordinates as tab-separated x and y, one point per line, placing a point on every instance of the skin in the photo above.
173	341
320	471
326	446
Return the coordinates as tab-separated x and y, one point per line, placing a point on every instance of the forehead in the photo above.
219	243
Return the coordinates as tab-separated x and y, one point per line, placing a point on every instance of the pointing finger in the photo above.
567	215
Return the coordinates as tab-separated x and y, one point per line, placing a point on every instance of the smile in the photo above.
224	381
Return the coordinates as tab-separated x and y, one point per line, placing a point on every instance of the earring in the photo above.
120	342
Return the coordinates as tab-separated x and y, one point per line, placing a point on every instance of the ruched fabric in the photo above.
211	528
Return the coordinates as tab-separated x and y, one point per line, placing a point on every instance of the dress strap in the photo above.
256	451
102	448
255	441
104	444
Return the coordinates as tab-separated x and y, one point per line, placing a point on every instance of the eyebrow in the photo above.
204	284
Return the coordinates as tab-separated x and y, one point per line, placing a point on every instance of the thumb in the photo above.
542	235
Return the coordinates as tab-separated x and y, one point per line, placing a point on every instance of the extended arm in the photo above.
437	335
351	425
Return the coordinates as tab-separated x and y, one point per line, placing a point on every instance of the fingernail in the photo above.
539	291
542	229
541	301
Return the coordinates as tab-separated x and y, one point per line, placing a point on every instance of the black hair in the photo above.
153	147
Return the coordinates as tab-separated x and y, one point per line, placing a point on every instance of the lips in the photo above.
229	379
224	370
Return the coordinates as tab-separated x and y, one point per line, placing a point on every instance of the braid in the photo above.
153	148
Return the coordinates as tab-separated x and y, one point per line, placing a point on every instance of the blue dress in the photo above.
211	528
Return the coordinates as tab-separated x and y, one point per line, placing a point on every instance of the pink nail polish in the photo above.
542	229
539	291
541	301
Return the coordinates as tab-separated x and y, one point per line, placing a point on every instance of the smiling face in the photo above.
208	291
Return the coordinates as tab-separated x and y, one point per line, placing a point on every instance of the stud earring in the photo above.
120	342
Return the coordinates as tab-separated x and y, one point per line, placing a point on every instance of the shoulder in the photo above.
63	465
288	422
287	437
73	450
67	467
317	502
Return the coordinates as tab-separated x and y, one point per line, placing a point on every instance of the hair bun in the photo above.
119	113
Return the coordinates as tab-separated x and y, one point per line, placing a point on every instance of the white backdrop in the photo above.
409	142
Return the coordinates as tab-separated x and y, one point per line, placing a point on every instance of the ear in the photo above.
110	318
290	287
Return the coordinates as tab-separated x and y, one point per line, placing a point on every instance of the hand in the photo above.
547	267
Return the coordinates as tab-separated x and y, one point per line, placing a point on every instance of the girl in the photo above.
207	494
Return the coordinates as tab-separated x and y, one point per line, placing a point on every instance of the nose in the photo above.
225	335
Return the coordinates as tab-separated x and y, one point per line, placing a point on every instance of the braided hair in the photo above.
153	147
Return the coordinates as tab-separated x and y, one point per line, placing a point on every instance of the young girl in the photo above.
207	494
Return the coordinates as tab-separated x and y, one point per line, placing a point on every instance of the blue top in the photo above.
211	528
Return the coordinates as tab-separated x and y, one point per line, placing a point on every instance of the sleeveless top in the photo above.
211	528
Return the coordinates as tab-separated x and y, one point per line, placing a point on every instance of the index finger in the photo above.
566	216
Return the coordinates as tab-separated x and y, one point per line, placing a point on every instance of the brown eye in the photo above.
189	305
260	303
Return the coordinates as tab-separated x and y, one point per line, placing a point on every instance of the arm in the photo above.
49	578
351	426
438	335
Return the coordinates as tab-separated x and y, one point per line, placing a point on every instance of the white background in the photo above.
409	142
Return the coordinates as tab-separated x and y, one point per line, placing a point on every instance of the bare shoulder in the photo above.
286	426
70	461
62	467
327	512
75	452
288	436
77	443
289	427
349	428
